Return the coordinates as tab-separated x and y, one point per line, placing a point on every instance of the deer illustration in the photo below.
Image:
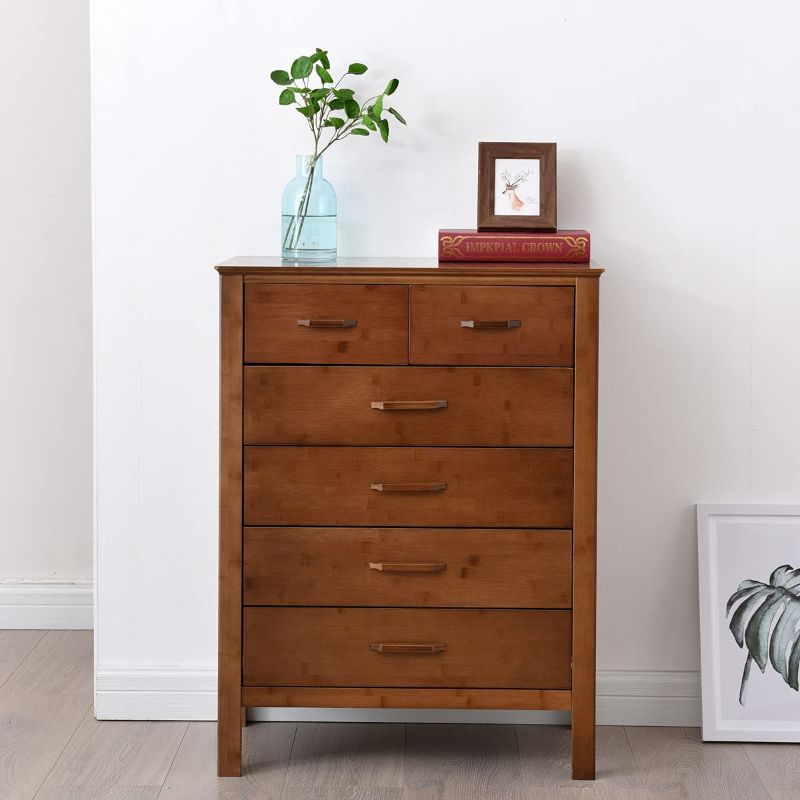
511	185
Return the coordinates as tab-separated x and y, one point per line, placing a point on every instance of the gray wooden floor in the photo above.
51	748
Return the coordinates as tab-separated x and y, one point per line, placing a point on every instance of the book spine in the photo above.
484	246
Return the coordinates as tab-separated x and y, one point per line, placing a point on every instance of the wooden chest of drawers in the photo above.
407	500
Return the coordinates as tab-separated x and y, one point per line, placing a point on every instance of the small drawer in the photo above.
408	486
455	568
492	325
455	648
487	406
325	324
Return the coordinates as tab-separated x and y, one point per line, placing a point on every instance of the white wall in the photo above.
677	126
45	302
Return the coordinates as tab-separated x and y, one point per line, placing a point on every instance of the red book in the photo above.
570	247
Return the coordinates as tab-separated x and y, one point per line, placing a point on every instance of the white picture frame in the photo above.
745	542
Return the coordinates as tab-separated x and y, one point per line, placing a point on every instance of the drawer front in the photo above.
408	405
468	568
492	325
325	324
370	647
408	486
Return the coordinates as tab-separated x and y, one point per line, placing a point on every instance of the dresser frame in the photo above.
233	698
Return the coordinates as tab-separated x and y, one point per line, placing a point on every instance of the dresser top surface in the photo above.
366	267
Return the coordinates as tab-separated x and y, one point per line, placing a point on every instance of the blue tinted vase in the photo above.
308	215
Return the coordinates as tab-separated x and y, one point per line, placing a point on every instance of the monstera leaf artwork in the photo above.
764	621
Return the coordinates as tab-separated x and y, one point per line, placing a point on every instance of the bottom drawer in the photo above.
463	648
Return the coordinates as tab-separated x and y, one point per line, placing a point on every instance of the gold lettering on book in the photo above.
450	245
457	247
577	246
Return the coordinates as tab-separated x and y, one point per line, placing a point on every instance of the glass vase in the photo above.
308	215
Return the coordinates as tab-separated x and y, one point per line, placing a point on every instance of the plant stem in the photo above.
295	227
745	677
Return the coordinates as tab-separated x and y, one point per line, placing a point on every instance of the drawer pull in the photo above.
408	487
407	647
491	323
385	566
328	323
408	405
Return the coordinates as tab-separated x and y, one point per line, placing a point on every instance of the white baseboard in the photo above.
623	698
41	605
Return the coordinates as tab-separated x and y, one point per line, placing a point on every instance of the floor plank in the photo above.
462	762
193	775
41	705
778	766
114	761
345	757
546	764
14	647
675	763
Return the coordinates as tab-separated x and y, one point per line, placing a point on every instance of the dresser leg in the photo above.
229	748
583	743
244	717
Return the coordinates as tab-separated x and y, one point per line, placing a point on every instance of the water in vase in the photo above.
308	221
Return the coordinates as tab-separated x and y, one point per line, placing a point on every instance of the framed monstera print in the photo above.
749	561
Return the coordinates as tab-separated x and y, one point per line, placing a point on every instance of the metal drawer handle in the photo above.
407	647
491	323
407	405
408	487
383	566
328	323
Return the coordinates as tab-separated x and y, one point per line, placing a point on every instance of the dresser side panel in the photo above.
230	527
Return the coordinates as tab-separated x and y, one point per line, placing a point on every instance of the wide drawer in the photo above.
408	405
408	486
465	567
406	647
492	325
325	324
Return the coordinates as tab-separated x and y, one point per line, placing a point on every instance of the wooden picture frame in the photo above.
500	186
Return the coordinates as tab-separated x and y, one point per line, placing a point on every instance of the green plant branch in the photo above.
315	106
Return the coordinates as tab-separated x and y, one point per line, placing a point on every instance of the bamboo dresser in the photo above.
407	503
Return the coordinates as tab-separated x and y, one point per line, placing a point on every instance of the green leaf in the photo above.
360	131
357	69
318	94
286	97
336	104
383	126
783	634
324	75
322	57
757	634
397	115
794	665
301	67
281	77
740	616
307	111
368	123
746	589
337	122
352	109
392	86
780	575
378	107
343	94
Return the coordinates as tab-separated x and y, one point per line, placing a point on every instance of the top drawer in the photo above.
325	324
492	325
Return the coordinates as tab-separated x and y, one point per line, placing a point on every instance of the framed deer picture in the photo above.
516	186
